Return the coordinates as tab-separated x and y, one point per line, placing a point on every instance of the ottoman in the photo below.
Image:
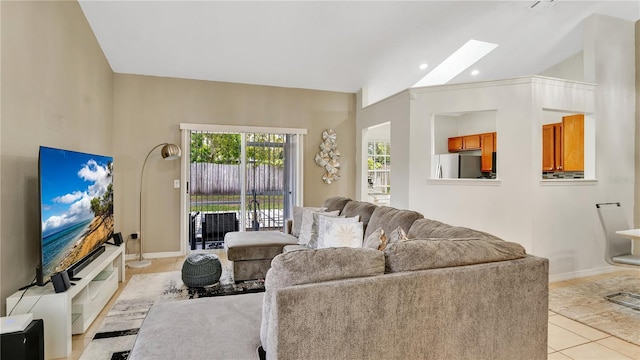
252	251
200	270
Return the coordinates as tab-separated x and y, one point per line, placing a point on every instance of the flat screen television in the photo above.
76	209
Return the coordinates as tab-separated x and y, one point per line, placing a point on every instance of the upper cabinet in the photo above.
471	142
455	144
552	147
563	145
464	143
486	143
573	142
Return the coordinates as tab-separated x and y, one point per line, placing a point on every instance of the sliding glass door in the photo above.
239	180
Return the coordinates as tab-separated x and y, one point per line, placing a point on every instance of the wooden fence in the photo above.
210	179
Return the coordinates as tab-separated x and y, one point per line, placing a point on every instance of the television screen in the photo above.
76	207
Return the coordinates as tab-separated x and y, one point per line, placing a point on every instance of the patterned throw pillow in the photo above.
340	232
397	235
377	240
298	213
309	229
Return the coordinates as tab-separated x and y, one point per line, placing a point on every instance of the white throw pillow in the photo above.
298	213
340	232
308	228
315	227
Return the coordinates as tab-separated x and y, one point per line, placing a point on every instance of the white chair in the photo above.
618	248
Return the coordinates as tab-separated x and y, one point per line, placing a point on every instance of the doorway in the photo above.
240	179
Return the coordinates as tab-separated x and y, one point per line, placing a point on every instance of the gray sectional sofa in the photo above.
445	293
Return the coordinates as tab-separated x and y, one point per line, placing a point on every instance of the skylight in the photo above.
457	62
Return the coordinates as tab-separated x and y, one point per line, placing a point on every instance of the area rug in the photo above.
586	303
115	337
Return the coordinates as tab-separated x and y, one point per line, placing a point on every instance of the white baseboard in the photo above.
154	255
162	255
583	273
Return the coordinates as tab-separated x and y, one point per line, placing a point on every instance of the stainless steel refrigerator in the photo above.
456	166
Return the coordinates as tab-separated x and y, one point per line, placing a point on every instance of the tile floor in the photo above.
568	339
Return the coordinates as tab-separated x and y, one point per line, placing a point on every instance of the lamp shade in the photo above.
170	152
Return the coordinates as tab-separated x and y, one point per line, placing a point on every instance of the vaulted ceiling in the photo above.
338	45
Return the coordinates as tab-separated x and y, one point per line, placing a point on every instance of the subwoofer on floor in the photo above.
27	344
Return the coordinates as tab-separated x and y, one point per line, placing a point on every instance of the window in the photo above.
378	168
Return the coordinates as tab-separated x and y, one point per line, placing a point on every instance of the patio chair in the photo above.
216	225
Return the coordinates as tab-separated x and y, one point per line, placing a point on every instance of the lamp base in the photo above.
138	264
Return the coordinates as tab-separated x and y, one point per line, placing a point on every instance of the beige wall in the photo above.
149	110
57	90
637	177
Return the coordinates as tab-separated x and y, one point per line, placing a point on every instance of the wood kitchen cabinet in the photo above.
488	143
563	145
464	143
455	144
471	142
573	142
552	147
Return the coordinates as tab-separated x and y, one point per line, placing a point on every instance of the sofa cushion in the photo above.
256	245
335	203
316	265
390	218
295	247
424	254
359	208
426	228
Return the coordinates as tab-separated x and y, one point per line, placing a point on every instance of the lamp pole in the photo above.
168	152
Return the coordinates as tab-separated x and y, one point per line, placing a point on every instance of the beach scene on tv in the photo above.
76	192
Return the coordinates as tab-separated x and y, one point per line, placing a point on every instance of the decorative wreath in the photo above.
328	156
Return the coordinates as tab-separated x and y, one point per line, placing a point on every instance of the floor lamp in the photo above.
168	152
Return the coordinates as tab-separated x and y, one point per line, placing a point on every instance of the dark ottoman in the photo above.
200	270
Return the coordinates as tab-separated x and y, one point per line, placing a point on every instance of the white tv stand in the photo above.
72	311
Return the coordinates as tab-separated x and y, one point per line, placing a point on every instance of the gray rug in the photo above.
586	304
115	337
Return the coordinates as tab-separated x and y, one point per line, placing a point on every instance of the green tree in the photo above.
379	155
215	148
103	206
220	148
266	149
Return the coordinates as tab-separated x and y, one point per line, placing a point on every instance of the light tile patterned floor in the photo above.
568	339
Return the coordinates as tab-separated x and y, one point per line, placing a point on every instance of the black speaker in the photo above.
117	238
27	344
61	281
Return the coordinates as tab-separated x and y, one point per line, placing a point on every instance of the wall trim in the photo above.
241	129
157	255
465	182
583	273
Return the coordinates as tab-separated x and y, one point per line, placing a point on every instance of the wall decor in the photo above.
328	156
